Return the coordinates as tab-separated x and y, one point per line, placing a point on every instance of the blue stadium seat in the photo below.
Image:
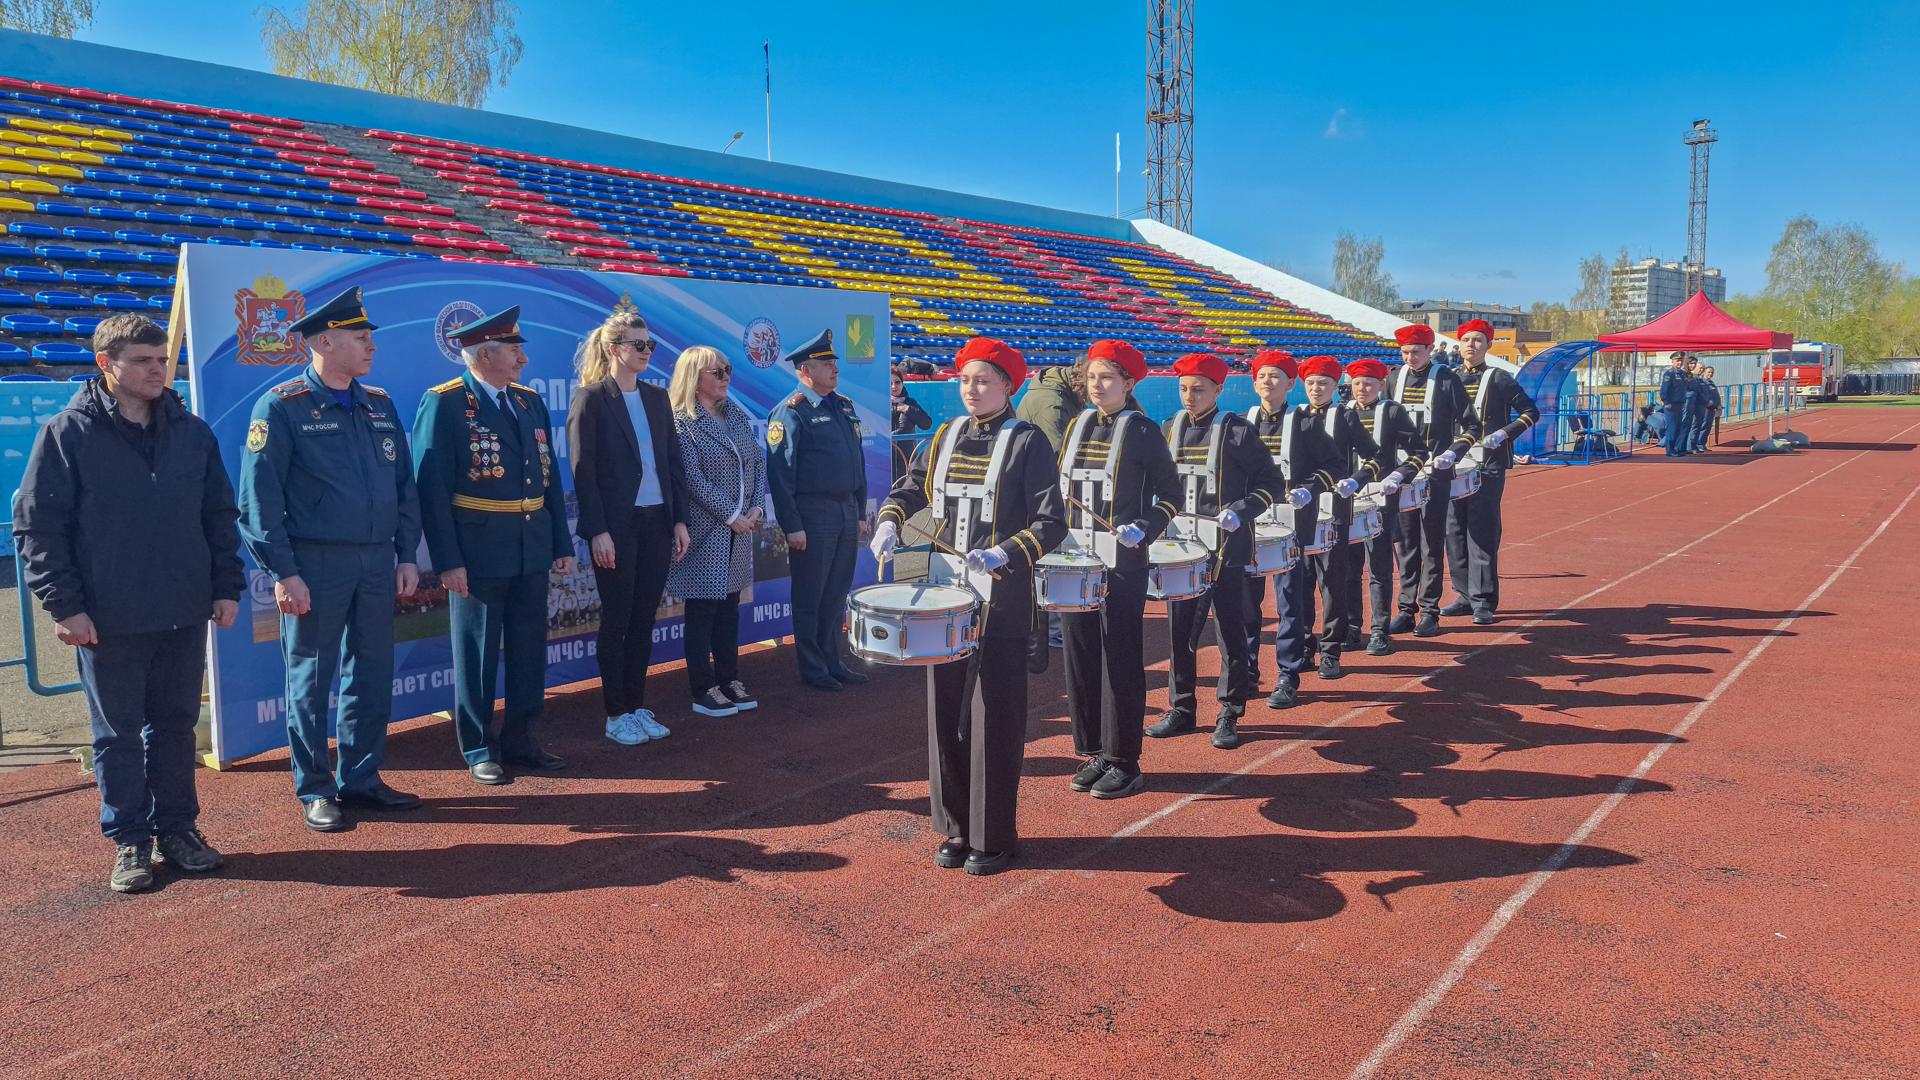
83	325
138	236
10	250
63	352
279	244
160	302
113	255
86	232
119	301
32	228
14	354
85	376
31	273
36	325
14	298
60	253
87	276
159	258
142	279
60	209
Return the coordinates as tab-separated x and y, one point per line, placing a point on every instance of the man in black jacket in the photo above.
126	525
1505	411
1448	427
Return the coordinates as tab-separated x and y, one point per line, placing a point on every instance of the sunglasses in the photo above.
642	344
724	371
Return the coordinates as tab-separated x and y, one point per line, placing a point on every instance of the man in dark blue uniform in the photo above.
327	507
496	524
817	472
1676	396
1710	410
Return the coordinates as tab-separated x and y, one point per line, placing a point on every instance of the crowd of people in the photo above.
131	537
1690	406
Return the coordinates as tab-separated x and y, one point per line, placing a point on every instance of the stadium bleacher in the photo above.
98	190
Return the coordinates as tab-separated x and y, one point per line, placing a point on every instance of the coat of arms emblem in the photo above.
266	312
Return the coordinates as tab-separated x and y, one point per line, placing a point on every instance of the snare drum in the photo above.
1069	581
1415	492
1369	519
1322	541
1274	551
1466	479
1178	569
913	624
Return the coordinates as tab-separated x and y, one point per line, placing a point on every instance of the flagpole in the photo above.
766	57
1116	174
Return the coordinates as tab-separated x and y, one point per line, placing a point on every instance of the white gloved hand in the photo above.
1495	440
1445	460
1391	485
1299	497
1228	520
885	539
1347	488
1130	535
986	560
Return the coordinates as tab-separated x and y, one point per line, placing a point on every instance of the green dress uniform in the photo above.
491	503
327	495
817	474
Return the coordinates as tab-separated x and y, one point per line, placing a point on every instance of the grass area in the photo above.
1890	399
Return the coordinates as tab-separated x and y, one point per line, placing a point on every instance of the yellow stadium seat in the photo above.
101	146
64	172
81	157
33	187
58	141
9	135
73	129
8	165
14	205
39	152
30	124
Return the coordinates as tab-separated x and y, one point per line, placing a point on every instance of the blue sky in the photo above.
1490	146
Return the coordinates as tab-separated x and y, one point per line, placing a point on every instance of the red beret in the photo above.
1121	355
1279	358
1471	325
1320	365
1205	365
995	352
1415	334
1367	369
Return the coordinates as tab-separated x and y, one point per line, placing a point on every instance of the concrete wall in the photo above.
73	63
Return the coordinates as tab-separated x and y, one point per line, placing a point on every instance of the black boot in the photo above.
1379	644
1173	723
1330	667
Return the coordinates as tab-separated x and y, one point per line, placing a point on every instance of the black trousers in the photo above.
822	577
713	643
143	698
1331	572
1107	670
1375	558
1423	549
1186	618
629	601
976	740
1473	543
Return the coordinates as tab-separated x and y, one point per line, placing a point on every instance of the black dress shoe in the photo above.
1353	638
323	815
539	759
1429	626
1401	624
1226	731
826	682
1483	618
1330	667
950	855
982	863
851	678
1284	696
1089	774
1173	723
1119	782
487	772
381	797
1379	644
1457	608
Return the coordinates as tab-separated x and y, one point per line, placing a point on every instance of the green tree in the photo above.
451	51
1830	284
59	18
1357	272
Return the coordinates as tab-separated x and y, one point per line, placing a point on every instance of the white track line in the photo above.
877	968
1403	1029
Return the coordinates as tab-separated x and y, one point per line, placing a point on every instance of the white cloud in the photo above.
1333	125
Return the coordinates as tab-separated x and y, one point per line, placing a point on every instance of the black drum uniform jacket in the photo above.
1249	481
1505	407
1319	462
1451	422
1029	517
1397	432
1146	489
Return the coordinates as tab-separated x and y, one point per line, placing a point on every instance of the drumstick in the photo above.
1097	519
937	542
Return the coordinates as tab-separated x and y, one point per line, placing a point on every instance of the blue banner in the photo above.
240	301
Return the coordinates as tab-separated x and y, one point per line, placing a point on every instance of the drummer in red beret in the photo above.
1119	471
1274	373
1393	428
976	727
1448	426
1227	480
1505	410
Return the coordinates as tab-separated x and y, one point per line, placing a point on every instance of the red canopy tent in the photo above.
1696	325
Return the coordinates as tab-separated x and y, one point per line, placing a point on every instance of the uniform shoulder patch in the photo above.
776	433
448	386
257	436
796	401
375	391
518	386
294	388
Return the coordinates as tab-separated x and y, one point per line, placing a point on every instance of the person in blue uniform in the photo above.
328	509
817	473
1710	415
496	524
1676	396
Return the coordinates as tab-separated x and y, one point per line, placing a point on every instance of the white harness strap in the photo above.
1093	487
972	502
1284	458
1203	477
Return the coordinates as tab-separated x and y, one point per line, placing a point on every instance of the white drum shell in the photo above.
930	625
1069	583
1177	570
1274	551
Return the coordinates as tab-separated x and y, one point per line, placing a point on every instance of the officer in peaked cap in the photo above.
818	476
496	524
328	509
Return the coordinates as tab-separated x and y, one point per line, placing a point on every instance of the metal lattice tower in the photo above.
1170	112
1701	139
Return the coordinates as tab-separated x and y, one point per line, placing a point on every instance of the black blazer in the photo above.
605	453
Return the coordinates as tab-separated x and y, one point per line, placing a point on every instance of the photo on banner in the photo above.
240	302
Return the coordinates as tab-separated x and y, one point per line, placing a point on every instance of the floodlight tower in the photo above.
1170	112
1700	138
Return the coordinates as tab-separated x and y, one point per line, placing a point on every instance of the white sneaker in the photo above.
623	730
643	721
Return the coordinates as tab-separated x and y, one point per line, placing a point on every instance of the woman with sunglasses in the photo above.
726	477
632	493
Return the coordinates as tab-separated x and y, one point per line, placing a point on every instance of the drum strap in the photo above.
1284	458
1204	477
971	501
1423	411
1107	476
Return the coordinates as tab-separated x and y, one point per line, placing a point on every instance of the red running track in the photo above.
1658	820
